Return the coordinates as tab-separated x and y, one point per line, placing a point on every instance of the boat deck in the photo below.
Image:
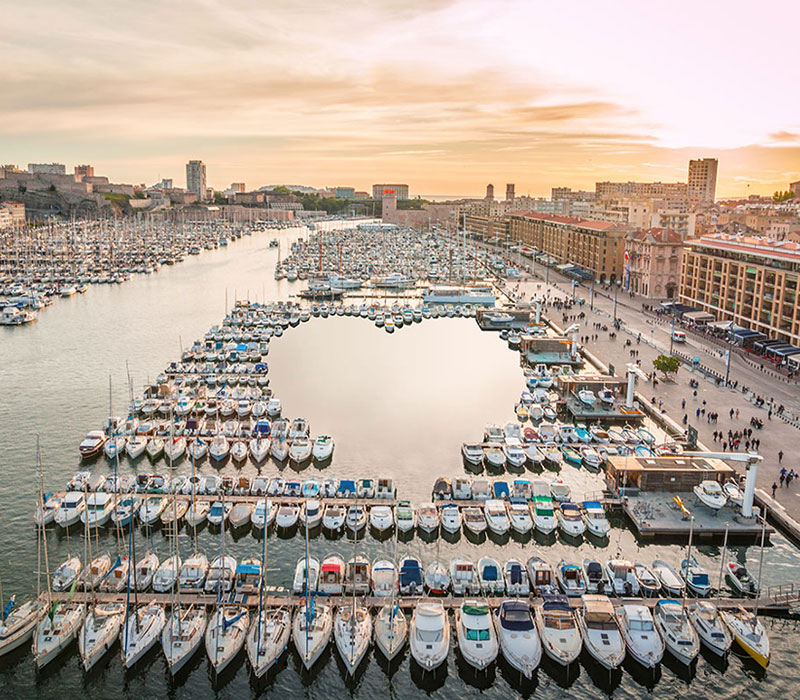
599	411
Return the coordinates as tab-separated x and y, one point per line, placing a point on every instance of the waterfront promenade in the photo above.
776	435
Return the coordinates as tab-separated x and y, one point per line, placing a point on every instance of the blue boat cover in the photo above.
592	504
516	573
410	573
556	602
490	572
500	489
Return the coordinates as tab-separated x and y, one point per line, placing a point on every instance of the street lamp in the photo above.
616	289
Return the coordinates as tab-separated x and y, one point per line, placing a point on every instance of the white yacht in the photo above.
429	638
182	636
490	575
391	630
594	517
306	575
558	631
464	577
450	517
711	629
474	520
519	516
517	636
225	635
623	577
516	579
477	639
20	623
710	494
679	636
311	631
642	640
166	575
99	632
496	516
381	518
141	631
601	634
406	516
322	449
352	631
569	520
384	578
267	639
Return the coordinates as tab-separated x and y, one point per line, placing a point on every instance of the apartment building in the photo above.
597	246
653	262
702	185
750	280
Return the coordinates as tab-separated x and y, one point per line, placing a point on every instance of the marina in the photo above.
244	361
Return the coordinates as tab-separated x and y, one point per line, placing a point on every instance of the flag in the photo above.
52	612
72	589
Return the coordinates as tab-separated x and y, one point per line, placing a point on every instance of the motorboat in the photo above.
140	576
559	491
443	489
472	453
494	457
381	518
311	630
352	631
287	516
474	520
558	630
519	516
710	627
66	574
68	515
490	576
429	637
740	579
220	575
183	635
92	445
56	631
410	581
649	583
166	576
481	489
671	581
219	512
437	579
141	631
476	635
623	577
496	517
331	575
569	519
99	632
391	630
516	579
356	517
462	489
749	634
570	579
333	517
590	458
514	453
322	448
357	576
587	397
464	577
710	494
517	636
595	577
268	639
542	577
594	517
197	513
311	513
306	575
679	635
384	578
601	633
733	493
428	518
263	514
544	517
642	640
450	518
696	578
226	634
405	516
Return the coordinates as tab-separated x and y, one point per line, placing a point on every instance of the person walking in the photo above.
774	488
780	456
782	479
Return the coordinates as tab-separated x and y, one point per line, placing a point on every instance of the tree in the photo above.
667	364
779	196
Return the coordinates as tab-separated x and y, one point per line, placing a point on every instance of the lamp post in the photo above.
616	289
672	333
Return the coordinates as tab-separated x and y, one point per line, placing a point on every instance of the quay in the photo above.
780	602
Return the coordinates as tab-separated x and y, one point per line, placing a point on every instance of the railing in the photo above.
784	593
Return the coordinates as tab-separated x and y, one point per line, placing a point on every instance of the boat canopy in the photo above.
516	573
475	609
515	616
490	572
556	602
248	569
410	572
592	505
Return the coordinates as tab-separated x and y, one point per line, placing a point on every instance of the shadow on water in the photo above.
564	676
451	537
681	670
644	677
192	665
607	680
308	676
265	684
351	682
220	680
482	680
428	681
526	687
475	538
389	667
68	655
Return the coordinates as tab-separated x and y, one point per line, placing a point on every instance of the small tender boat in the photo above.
680	637
384	578
570	579
642	640
437	579
740	578
671	581
410	579
696	577
558	630
649	583
331	575
491	577
429	636
472	453
306	575
623	577
601	634
516	579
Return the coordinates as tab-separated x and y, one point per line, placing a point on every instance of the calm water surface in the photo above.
396	405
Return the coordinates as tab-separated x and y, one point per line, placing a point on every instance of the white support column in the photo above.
749	489
631	388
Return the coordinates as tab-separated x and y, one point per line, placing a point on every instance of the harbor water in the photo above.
397	405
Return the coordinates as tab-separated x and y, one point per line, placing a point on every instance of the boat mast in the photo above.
263	583
760	567
722	561
685	571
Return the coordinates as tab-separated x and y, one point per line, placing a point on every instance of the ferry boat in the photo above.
481	296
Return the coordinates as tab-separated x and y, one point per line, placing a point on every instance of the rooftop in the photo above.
656	235
573	221
756	245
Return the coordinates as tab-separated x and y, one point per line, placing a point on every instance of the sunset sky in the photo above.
446	95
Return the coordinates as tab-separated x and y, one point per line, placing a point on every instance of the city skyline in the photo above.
445	95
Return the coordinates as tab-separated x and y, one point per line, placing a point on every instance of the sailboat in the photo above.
312	624
60	625
226	633
269	633
391	626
